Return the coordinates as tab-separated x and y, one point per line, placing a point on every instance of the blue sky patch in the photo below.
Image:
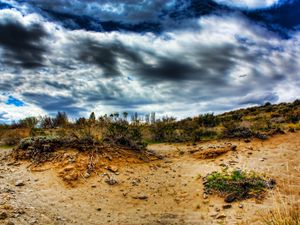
13	101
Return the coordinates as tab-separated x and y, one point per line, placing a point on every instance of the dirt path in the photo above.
166	191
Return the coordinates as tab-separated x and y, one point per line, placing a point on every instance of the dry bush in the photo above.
12	137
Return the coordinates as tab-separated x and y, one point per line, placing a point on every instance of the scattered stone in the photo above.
33	221
232	162
227	206
141	197
99	209
241	206
233	147
10	223
247	140
160	156
221	216
87	175
135	182
19	183
230	198
213	214
205	196
111	181
217	210
113	169
3	216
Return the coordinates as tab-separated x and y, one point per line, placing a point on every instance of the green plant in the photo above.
237	184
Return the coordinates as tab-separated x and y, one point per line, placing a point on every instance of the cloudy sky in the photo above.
174	57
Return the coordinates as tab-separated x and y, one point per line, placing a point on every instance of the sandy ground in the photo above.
166	191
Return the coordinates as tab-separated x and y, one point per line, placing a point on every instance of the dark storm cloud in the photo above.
53	104
210	65
259	99
23	46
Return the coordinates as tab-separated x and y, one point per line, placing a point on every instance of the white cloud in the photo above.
250	4
224	66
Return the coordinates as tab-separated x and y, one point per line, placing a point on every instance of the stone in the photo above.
19	183
141	197
241	206
87	175
220	216
205	196
227	206
230	198
3	216
111	181
113	169
233	147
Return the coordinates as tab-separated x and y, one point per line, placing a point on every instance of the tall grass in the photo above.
286	210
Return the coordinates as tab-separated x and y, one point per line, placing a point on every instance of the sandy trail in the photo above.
166	191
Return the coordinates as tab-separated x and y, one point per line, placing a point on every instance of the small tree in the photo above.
29	122
92	118
61	119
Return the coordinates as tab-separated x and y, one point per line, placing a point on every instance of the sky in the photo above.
172	57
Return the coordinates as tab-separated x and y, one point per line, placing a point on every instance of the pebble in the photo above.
19	183
111	181
221	216
227	206
3	216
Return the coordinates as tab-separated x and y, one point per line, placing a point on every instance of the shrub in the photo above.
237	184
208	120
124	134
238	132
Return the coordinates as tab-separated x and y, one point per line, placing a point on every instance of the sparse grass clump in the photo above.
237	185
288	216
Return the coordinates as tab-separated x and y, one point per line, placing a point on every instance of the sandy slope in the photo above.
166	191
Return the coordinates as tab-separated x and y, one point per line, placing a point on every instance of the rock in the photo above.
205	196
217	210
99	209
227	206
241	206
33	221
142	197
87	175
247	140
111	181
233	147
10	223
230	198
113	169
220	216
19	183
3	216
213	214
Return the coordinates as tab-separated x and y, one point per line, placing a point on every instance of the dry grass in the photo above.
286	209
284	214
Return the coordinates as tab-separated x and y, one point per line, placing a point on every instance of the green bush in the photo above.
237	184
